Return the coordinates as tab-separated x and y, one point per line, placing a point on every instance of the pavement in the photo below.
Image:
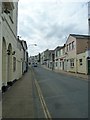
70	73
17	101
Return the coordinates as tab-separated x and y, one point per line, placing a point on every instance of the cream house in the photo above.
44	57
25	56
71	53
57	55
82	63
83	59
51	59
62	58
11	55
76	46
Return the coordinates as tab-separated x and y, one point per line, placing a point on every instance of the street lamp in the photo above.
31	45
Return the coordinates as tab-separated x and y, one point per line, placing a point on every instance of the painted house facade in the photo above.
70	52
51	59
25	57
73	56
9	42
11	54
57	55
44	57
62	58
76	47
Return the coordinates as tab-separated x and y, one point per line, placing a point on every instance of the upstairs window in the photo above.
70	46
73	46
80	61
67	47
56	53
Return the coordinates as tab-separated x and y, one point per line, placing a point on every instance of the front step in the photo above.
10	83
4	88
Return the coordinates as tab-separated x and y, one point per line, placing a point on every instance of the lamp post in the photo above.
31	45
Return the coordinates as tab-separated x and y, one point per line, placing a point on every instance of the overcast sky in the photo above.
48	23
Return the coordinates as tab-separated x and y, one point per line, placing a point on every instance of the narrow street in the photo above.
44	59
65	96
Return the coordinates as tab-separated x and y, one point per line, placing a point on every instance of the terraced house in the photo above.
76	53
11	54
73	56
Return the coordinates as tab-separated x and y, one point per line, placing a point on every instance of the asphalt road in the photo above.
65	96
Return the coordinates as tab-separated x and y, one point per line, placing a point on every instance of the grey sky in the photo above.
48	22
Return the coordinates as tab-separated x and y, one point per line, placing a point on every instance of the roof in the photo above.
58	48
25	43
80	36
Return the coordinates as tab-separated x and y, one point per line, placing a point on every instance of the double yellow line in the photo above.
44	106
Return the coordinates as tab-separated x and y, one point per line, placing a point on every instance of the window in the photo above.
73	45
63	51
14	64
70	46
60	64
60	53
72	62
80	61
56	53
67	47
56	64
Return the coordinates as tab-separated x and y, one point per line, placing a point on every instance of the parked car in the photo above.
35	65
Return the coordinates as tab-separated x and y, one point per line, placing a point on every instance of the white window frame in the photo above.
71	62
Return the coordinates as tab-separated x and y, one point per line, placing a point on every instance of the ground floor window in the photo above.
56	64
60	64
14	64
72	62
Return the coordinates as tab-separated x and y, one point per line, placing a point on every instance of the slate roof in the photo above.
80	36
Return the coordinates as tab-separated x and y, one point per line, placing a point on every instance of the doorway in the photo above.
9	64
4	75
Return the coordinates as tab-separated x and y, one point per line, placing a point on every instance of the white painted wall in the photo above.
89	18
0	47
82	68
9	32
88	53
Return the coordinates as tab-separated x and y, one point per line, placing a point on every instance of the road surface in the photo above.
65	96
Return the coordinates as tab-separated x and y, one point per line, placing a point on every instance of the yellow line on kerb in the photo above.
44	106
45	109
